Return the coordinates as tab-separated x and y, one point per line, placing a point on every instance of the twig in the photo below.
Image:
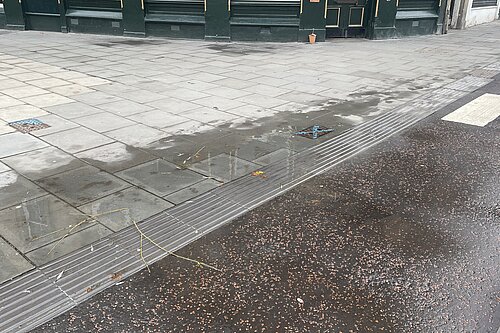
89	217
194	155
198	263
142	256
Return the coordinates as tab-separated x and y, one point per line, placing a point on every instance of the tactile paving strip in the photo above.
94	268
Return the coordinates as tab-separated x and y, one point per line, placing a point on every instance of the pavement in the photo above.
129	128
403	237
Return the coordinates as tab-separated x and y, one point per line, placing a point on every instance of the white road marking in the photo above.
479	112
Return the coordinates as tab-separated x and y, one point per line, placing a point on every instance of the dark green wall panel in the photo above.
95	26
264	34
190	31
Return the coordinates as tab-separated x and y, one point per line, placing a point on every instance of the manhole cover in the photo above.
28	125
314	132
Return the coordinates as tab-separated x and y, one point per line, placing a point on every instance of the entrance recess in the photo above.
345	18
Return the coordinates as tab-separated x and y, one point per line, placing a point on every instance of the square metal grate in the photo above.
28	125
314	132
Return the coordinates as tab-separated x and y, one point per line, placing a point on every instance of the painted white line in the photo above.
479	112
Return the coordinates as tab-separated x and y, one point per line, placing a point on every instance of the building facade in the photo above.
467	13
225	20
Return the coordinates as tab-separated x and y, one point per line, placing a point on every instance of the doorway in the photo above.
346	18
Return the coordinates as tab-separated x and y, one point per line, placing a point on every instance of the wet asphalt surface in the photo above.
401	238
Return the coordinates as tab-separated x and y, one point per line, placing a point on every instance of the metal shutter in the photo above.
428	5
483	3
108	5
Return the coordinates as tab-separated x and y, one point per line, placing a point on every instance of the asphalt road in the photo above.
401	238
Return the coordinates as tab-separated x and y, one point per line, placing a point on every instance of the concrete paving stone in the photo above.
82	185
192	191
263	101
115	157
69	90
66	75
184	94
5	128
158	119
138	205
16	143
38	222
173	105
96	98
56	123
49	82
89	81
234	83
103	122
209	116
189	127
11	84
47	100
125	108
160	177
13	263
270	81
73	110
69	244
220	103
140	96
224	167
195	85
25	91
227	92
137	135
7	101
43	162
252	112
291	107
302	98
4	167
15	189
77	139
267	90
20	112
280	155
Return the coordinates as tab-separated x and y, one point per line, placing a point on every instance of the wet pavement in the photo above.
401	238
146	125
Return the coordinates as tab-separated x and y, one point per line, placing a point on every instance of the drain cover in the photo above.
314	132
28	125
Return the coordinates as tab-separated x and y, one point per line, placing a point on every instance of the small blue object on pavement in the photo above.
314	132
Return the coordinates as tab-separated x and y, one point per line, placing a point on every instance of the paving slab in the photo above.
43	162
192	191
224	167
158	119
73	110
77	139
70	243
143	135
124	107
56	123
82	185
279	155
133	204
13	263
15	189
115	157
21	112
46	100
103	122
160	177
16	143
35	223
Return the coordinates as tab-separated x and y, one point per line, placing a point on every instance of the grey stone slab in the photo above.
82	185
138	135
104	122
135	204
4	167
35	223
56	123
192	191
160	177
47	100
173	105
43	162
115	157
224	167
125	108
73	110
158	119
16	143
96	98
21	112
210	116
77	139
13	263
15	189
276	156
220	103
70	243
